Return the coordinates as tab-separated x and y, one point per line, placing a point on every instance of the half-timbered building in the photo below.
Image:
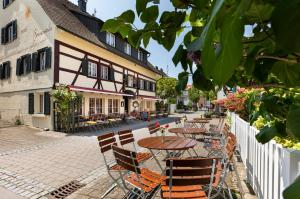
49	42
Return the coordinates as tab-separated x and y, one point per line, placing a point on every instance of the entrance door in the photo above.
126	104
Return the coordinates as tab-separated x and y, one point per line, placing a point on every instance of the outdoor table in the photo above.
196	122
166	143
202	118
188	131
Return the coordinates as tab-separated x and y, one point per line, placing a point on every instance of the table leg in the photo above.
156	160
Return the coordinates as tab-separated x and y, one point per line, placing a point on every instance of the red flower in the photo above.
167	126
157	124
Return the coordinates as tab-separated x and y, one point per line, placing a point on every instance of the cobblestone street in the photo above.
34	163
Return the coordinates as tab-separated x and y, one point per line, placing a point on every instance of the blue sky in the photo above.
159	56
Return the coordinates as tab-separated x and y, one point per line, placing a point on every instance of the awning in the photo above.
93	90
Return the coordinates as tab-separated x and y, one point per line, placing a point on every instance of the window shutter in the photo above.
29	67
151	86
18	69
31	103
1	71
7	70
111	74
15	29
137	83
145	85
4	4
48	57
47	103
34	62
85	66
3	36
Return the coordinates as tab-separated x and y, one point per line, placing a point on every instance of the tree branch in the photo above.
292	61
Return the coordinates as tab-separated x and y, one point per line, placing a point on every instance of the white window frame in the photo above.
41	104
92	69
10	33
92	106
99	105
130	81
42	59
140	55
127	48
142	86
104	72
147	87
113	106
110	39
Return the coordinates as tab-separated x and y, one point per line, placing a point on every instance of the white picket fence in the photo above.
270	168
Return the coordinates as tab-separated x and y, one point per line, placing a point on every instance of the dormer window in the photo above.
110	39
6	3
127	48
140	55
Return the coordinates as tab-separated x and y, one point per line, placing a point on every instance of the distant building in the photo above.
48	42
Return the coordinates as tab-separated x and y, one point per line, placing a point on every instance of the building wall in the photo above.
34	31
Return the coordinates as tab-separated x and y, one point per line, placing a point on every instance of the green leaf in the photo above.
231	49
262	69
178	55
134	38
124	30
127	16
287	73
285	22
194	15
141	6
250	60
111	25
200	81
293	121
196	45
150	14
146	38
266	134
169	39
183	79
181	4
293	190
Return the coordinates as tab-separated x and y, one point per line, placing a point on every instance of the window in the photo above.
41	104
41	60
153	87
5	70
81	107
92	106
127	48
142	86
23	65
140	55
149	105
6	3
9	32
104	72
113	106
92	70
147	85
99	106
131	81
110	39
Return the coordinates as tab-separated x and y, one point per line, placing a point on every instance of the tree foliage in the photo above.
194	94
165	88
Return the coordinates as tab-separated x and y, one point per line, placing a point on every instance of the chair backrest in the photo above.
127	159
153	128
230	146
126	137
186	172
106	142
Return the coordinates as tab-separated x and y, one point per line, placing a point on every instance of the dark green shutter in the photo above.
15	29
151	86
85	66
47	103
31	103
137	83
18	69
48	57
29	67
1	71
34	62
126	80
3	36
111	74
7	70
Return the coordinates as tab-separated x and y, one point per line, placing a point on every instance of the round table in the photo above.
195	122
202	118
190	131
166	143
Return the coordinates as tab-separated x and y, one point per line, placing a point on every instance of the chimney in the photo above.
82	5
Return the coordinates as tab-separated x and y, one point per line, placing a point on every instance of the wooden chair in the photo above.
140	182
126	137
106	142
191	178
153	128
